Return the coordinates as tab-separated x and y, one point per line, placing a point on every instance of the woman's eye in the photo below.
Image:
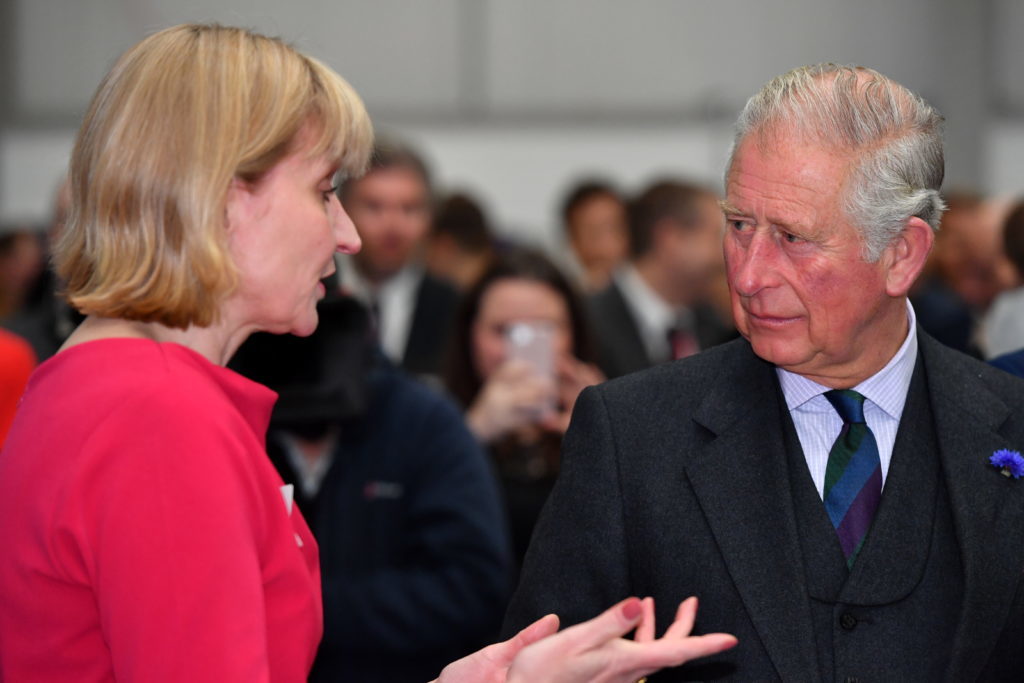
327	194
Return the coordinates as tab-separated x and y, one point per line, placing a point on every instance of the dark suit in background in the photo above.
620	347
675	267
432	320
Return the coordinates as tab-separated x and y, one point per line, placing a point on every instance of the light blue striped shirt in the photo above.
818	424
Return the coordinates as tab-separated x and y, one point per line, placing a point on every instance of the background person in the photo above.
45	319
1002	329
414	551
594	220
21	263
658	306
392	206
965	272
520	414
461	243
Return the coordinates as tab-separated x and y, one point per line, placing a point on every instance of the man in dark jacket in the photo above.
657	307
838	488
414	551
392	206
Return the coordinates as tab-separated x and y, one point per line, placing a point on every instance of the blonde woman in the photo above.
147	536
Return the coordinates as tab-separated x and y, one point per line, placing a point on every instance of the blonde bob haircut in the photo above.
179	116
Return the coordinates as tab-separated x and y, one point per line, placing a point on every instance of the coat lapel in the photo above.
741	480
988	509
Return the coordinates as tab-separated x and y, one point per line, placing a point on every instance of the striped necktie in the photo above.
853	476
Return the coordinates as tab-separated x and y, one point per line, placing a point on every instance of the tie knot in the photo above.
848	403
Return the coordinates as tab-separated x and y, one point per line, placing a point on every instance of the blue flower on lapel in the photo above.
1009	463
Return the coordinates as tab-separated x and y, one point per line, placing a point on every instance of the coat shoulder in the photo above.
681	386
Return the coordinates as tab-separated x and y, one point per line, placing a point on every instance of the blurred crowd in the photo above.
421	423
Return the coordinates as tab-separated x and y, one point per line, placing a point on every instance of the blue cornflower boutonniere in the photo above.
1009	463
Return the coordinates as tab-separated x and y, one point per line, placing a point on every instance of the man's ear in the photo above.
905	256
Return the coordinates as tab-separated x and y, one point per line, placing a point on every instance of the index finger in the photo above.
614	622
640	659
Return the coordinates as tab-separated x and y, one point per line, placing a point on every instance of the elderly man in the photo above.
824	484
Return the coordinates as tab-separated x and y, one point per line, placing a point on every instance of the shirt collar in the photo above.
650	309
887	388
357	286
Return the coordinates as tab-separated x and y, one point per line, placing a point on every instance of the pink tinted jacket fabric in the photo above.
145	533
16	362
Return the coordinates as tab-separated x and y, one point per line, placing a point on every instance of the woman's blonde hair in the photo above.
178	117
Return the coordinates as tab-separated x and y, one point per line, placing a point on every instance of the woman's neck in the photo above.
217	343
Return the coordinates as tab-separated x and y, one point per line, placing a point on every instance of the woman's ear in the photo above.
238	205
906	255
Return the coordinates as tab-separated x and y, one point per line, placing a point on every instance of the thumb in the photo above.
503	653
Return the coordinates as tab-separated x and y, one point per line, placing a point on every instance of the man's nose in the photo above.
756	265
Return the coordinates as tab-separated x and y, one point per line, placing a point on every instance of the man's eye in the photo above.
791	238
737	224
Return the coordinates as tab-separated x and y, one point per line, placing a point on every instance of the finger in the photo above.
645	629
556	421
565	366
614	622
574	373
516	368
593	374
541	386
538	630
640	659
503	653
686	614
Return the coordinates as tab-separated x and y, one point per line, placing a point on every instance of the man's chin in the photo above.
775	350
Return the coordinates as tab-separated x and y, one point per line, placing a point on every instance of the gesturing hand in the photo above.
591	651
595	651
490	665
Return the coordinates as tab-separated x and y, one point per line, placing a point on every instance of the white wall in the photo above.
518	173
512	98
32	162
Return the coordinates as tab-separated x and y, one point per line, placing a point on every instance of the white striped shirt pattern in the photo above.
817	423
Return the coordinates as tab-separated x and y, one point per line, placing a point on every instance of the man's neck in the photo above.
875	357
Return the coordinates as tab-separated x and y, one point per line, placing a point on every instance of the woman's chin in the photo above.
306	327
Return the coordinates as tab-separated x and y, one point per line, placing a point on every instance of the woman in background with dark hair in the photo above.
521	355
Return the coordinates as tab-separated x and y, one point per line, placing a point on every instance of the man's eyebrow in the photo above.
728	208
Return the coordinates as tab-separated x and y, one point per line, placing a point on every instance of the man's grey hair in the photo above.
895	135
